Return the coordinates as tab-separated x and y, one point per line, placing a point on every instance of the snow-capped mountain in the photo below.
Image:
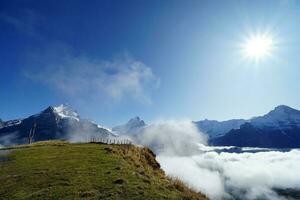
132	127
55	122
65	111
280	128
215	128
282	117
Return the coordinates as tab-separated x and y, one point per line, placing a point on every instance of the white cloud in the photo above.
172	137
86	78
8	139
182	154
200	179
244	175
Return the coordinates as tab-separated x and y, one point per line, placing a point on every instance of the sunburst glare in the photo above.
257	47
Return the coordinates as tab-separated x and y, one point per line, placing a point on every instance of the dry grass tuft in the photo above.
188	192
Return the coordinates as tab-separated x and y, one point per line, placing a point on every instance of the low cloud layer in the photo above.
245	175
8	139
92	78
172	137
183	154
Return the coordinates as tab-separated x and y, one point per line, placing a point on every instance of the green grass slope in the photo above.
58	170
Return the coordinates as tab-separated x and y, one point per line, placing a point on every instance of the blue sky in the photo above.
112	60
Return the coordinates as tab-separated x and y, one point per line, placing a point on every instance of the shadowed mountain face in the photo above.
1	123
59	122
280	128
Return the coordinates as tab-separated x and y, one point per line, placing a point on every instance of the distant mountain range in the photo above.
55	122
280	128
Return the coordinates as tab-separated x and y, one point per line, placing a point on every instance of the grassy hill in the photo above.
58	170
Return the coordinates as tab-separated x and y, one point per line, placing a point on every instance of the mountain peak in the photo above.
136	118
136	121
280	116
284	109
66	111
132	126
63	110
49	109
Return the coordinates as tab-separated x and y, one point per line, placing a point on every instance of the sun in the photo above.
258	46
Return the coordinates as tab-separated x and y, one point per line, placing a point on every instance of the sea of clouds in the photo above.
182	152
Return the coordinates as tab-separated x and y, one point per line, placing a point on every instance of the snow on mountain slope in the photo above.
10	123
280	117
65	111
218	128
103	127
